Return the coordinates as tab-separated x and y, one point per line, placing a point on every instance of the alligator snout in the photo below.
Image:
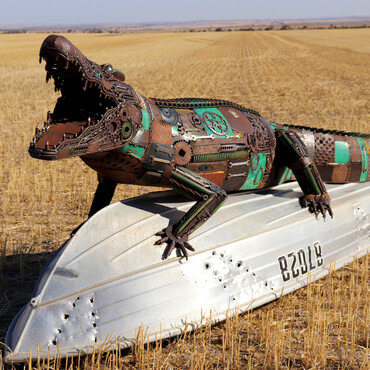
55	44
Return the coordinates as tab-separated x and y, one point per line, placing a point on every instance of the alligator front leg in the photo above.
209	198
103	194
296	157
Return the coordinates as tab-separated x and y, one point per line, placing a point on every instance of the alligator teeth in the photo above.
85	85
67	65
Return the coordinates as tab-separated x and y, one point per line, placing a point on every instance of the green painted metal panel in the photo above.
365	159
341	154
224	127
273	125
175	131
256	171
145	121
135	150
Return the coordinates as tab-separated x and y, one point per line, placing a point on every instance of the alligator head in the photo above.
96	108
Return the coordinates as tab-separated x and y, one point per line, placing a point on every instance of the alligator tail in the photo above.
340	156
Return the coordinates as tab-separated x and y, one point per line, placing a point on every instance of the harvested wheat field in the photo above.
308	77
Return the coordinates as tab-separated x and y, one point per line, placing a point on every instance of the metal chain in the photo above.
193	103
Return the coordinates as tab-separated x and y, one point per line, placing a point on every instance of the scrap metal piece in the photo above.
216	123
183	153
169	116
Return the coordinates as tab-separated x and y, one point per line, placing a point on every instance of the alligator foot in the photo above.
181	243
317	204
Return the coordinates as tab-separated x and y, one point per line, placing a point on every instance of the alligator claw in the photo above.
161	233
170	248
188	246
317	204
180	243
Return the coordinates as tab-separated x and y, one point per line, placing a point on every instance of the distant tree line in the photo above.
283	27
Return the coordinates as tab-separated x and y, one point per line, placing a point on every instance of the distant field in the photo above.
314	77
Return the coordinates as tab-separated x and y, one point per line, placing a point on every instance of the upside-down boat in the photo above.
110	278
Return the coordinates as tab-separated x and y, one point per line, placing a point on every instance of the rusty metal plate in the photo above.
183	153
340	173
324	148
237	120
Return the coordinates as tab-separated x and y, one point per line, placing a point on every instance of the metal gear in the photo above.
183	153
113	125
216	123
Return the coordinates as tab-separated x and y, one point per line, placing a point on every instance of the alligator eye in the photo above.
108	67
126	130
118	75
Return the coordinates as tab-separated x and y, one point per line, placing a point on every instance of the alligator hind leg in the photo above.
209	198
296	157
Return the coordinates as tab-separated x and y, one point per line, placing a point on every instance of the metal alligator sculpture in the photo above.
204	148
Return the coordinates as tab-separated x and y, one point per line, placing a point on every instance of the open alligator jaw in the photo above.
89	93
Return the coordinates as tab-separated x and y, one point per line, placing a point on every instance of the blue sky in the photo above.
53	12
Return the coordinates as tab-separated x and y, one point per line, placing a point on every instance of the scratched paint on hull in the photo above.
256	171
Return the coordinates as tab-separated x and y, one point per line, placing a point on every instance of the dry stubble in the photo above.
315	78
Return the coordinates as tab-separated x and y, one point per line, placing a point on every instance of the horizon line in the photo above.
150	23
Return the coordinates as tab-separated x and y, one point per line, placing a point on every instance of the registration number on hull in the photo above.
298	263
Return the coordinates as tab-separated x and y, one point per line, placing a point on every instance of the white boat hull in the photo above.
110	278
